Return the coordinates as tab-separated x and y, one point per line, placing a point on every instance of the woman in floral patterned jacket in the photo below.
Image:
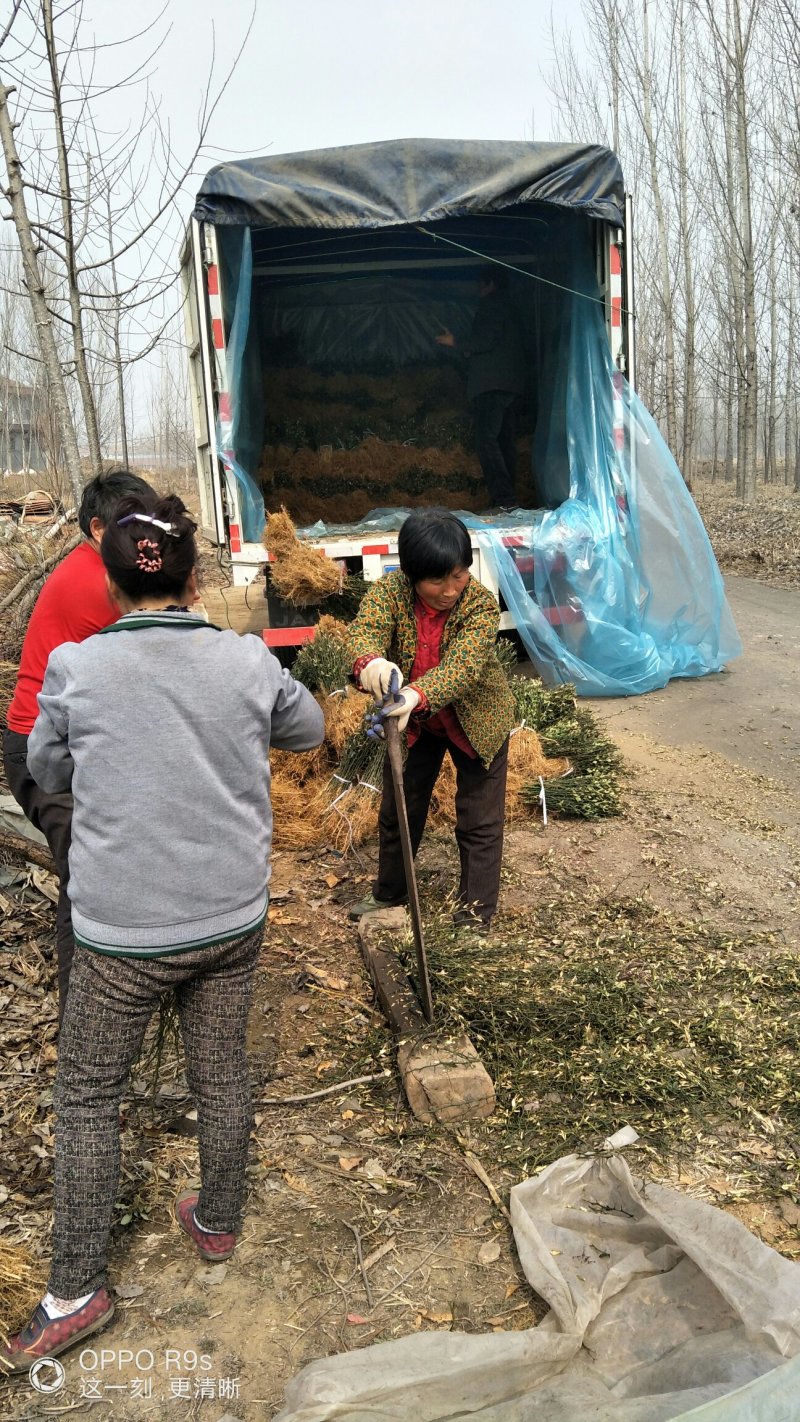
430	629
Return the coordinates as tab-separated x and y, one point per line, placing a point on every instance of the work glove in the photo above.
376	677
397	704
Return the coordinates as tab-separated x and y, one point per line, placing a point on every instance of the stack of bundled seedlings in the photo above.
331	795
340	444
588	786
298	781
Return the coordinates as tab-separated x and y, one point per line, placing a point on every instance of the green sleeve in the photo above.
465	657
372	631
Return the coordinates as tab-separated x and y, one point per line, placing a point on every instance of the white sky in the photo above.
318	73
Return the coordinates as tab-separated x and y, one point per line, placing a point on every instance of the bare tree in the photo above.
90	211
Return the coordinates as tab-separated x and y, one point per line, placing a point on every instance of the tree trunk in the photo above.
43	320
690	394
70	253
750	354
119	369
661	226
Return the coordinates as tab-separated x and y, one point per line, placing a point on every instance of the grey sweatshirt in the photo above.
161	725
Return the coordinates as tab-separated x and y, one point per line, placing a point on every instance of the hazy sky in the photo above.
316	73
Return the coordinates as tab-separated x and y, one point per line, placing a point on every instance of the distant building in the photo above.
22	427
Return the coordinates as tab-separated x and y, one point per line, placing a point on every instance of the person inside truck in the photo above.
496	377
423	646
73	604
161	725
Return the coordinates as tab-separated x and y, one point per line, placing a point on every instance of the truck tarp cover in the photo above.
612	581
413	180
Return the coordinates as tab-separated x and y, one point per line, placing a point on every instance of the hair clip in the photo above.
147	563
168	528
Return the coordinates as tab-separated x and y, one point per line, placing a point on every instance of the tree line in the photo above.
88	290
701	100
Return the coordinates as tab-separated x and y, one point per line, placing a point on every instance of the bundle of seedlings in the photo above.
324	663
350	800
300	574
589	790
506	650
592	796
540	706
579	737
304	786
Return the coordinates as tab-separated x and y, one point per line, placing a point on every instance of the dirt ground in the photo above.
363	1224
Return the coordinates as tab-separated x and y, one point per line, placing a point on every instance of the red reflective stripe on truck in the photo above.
616	260
287	636
236	538
616	310
375	548
218	334
224	405
213	281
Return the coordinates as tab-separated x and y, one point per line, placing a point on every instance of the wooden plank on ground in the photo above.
443	1076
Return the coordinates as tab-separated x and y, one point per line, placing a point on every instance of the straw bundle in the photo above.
22	1281
8	681
300	574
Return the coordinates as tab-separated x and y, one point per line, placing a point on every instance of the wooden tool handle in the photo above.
394	751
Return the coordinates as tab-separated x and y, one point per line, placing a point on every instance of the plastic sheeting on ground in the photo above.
661	1308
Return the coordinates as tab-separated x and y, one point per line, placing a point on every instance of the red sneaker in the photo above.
212	1246
46	1337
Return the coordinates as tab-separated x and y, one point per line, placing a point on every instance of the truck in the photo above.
314	285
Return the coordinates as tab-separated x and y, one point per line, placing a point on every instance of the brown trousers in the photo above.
52	815
480	818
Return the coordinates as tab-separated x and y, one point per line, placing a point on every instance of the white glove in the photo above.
404	708
376	675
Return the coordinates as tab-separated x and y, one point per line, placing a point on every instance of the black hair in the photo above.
498	276
432	543
143	559
102	494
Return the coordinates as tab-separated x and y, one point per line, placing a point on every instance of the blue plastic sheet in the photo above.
232	421
613	584
617	589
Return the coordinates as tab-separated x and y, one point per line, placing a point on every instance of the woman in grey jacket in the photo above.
161	726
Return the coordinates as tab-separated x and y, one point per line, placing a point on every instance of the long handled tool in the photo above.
395	754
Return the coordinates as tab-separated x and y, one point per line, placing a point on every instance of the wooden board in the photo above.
241	609
443	1076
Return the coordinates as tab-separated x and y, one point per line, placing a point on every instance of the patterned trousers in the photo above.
111	1001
